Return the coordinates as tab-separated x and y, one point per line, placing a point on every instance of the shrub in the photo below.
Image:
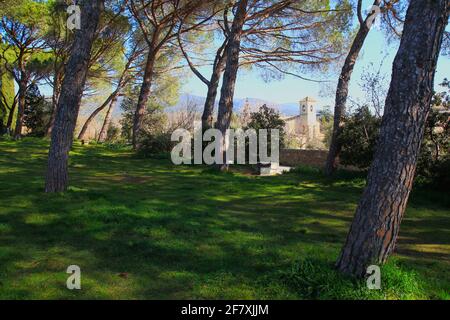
37	112
113	134
434	161
158	144
326	126
358	138
153	123
6	137
117	145
2	128
267	118
360	133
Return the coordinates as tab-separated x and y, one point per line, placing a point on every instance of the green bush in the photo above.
113	134
318	279
433	165
37	112
306	170
6	137
267	118
117	145
358	138
442	175
158	144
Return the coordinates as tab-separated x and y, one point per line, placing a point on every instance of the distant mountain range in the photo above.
286	109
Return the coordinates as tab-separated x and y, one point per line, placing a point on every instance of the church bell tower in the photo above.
308	110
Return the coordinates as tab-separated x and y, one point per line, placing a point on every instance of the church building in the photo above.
305	127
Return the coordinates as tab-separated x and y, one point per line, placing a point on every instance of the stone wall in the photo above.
295	157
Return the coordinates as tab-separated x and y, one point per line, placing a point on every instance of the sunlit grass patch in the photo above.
315	278
145	229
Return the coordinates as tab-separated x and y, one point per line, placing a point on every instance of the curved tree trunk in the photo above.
20	109
208	109
342	93
213	85
229	77
124	79
9	122
82	134
374	230
143	96
106	123
69	101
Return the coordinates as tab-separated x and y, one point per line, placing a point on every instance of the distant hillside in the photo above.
287	109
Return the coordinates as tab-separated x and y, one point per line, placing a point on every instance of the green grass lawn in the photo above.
145	229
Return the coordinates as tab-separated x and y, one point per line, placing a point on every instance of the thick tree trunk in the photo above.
342	93
143	96
106	123
71	92
229	77
20	109
375	228
82	134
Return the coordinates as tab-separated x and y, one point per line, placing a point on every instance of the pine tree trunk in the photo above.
208	110
11	117
82	134
230	73
106	123
21	108
342	94
69	101
374	230
143	96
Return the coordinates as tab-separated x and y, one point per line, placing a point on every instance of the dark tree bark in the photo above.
69	101
9	122
342	89
107	122
230	74
213	85
164	22
374	230
143	96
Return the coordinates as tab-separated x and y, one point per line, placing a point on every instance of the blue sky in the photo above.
292	89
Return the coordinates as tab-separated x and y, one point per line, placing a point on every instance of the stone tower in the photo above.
310	125
308	110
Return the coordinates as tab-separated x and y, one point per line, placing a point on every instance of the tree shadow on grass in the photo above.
147	229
